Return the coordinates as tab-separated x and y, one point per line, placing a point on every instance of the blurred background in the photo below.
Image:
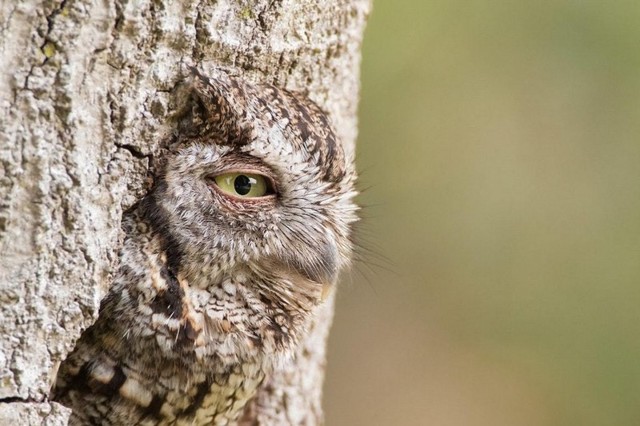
500	148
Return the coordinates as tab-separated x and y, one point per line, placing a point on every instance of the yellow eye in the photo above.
244	185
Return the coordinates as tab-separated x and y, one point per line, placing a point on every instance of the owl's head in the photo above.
254	201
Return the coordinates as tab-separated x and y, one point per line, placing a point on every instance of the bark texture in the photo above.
86	89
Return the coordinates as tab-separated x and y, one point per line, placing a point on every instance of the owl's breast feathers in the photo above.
155	358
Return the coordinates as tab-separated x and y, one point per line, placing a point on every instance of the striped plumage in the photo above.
213	291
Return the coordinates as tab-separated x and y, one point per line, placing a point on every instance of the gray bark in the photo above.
85	95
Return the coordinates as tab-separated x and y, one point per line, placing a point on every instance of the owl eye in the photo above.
244	185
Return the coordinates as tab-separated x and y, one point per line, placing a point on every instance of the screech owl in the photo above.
246	227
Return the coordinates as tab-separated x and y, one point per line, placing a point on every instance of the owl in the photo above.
244	231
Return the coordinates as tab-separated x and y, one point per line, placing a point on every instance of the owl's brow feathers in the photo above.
221	110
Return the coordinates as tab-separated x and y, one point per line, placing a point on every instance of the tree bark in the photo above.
85	95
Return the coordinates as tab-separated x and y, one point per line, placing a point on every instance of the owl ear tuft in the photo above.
212	108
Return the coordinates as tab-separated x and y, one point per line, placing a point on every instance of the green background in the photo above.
500	283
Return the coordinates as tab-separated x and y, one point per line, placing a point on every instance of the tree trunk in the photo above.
85	95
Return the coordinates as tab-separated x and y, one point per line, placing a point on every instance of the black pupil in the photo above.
242	184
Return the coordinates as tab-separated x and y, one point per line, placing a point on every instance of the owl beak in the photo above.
319	266
326	291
